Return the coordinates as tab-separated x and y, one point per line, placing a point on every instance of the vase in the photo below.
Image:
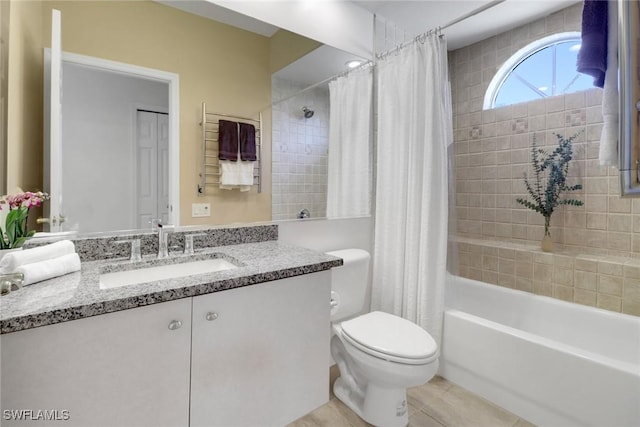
3	252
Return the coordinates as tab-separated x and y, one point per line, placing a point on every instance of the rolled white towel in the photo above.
11	261
48	269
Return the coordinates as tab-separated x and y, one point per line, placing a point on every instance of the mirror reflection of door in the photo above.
152	165
99	143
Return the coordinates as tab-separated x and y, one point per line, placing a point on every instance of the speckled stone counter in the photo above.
78	295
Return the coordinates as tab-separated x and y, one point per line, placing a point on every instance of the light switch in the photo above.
200	210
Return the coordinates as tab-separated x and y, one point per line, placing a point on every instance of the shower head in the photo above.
307	112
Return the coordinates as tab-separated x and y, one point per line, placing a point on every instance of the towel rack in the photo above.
210	167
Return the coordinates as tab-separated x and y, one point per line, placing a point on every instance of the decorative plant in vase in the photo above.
549	182
16	231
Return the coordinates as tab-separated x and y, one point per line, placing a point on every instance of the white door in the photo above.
53	126
152	165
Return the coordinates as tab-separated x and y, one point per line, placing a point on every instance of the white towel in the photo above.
48	269
609	138
236	175
11	261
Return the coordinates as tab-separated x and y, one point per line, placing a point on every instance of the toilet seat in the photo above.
390	337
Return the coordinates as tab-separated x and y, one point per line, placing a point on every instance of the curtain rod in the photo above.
473	13
438	30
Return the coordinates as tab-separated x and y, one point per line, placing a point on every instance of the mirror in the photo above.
629	146
301	134
227	67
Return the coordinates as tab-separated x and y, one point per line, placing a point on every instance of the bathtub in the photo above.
548	361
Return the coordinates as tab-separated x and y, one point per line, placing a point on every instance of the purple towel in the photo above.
248	142
227	140
592	57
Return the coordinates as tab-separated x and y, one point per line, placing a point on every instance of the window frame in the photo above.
519	57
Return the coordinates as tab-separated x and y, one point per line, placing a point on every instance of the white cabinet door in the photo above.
120	369
260	353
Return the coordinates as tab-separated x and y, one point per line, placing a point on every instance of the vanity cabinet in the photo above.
260	353
250	356
128	368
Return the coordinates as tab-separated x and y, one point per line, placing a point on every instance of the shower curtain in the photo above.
349	163
411	208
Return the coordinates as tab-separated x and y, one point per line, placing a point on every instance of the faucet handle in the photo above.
135	248
155	223
188	242
10	282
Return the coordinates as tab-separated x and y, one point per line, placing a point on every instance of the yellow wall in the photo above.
226	67
24	104
286	47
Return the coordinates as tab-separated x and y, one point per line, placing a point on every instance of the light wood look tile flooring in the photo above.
436	404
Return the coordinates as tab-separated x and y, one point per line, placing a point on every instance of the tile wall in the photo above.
500	239
299	151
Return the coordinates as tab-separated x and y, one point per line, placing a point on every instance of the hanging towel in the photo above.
236	175
227	140
54	267
592	57
248	142
609	139
11	261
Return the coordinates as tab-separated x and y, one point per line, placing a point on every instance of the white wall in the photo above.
328	234
340	24
98	110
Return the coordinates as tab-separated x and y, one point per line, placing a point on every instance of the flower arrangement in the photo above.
550	182
16	231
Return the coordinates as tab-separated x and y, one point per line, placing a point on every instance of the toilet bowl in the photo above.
379	355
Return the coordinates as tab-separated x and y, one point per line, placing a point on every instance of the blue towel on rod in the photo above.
592	57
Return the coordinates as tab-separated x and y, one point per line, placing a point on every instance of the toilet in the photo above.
379	355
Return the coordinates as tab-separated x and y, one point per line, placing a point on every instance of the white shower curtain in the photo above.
349	163
414	131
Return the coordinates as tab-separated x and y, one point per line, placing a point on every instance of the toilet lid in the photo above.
390	337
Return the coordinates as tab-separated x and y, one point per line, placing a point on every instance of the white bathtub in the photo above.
551	362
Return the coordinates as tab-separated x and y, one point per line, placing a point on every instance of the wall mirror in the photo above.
228	67
629	148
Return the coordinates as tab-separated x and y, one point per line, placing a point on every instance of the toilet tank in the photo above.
349	284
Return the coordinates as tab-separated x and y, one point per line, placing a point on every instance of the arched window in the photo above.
546	67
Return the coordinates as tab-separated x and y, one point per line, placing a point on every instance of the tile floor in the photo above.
436	404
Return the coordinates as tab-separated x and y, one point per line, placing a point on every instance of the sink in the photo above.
146	272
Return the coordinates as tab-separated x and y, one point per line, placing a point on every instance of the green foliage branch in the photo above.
550	179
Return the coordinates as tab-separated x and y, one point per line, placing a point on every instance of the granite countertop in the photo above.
78	295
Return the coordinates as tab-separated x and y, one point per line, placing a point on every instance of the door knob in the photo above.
211	316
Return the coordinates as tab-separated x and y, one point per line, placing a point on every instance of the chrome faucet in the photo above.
163	237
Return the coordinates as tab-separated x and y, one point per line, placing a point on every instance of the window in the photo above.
546	67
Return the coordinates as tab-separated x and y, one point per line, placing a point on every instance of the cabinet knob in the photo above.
211	316
174	324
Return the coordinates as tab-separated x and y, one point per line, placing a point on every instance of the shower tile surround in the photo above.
299	151
596	259
260	258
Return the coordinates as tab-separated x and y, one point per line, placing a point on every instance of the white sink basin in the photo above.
160	272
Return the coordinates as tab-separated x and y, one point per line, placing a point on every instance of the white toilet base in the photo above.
381	407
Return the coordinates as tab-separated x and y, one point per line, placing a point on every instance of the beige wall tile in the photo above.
563	276
631	297
611	285
584	297
564	293
609	302
610	268
585	280
542	288
542	272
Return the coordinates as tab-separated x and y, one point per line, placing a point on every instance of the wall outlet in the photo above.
200	209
